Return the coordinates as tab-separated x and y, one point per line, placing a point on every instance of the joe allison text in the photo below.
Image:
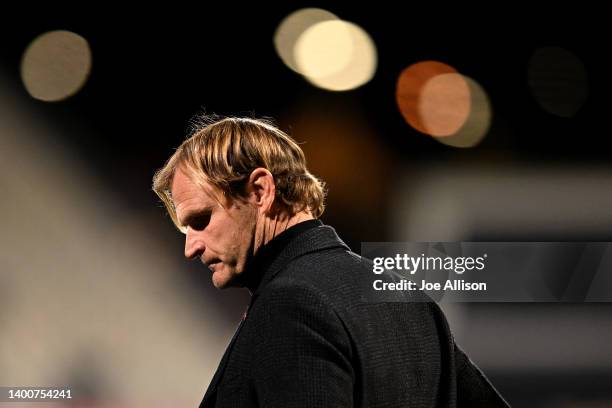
450	285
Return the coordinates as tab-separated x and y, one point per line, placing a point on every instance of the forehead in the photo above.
189	196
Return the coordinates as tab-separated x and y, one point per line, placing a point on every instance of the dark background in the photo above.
154	68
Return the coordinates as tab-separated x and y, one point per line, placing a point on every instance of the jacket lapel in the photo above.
211	393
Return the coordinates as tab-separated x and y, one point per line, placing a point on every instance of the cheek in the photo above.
225	235
230	233
214	236
244	229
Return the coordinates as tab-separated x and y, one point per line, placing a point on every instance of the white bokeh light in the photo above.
56	65
292	27
336	55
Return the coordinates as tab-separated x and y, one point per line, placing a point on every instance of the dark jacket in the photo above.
309	339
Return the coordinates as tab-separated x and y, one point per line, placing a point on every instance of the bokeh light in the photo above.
292	27
438	101
558	81
409	88
324	49
336	55
444	104
330	53
56	65
477	123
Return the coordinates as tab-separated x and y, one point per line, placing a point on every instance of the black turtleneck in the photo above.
264	257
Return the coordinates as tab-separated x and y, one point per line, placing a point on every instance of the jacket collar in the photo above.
301	239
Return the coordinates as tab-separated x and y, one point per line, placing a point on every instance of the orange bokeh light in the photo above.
409	91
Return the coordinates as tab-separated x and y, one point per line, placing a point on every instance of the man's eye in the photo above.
200	222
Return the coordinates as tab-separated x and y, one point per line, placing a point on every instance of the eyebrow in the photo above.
194	215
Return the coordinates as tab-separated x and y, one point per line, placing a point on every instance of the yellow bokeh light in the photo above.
292	27
56	65
324	49
336	55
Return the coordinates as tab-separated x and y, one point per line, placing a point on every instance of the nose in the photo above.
194	244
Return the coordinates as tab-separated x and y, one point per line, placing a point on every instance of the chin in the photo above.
222	278
218	281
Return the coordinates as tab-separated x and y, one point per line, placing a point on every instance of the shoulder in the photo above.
321	289
327	270
288	296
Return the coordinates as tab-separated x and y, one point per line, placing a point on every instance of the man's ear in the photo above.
261	189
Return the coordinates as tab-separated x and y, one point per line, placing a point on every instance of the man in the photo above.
240	191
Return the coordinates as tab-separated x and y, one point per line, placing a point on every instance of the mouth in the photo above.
212	264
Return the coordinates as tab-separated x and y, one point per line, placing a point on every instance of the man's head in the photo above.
231	187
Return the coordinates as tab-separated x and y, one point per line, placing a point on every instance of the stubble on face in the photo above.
235	236
224	240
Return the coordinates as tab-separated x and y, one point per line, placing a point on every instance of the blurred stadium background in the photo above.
438	124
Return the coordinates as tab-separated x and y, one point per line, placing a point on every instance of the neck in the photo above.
271	226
